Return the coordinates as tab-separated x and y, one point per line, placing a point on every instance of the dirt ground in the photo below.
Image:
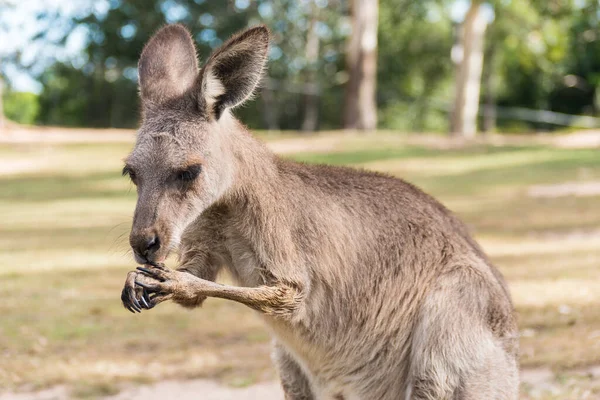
540	382
180	390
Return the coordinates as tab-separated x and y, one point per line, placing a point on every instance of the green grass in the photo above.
63	246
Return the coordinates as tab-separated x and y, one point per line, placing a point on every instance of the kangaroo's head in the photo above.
181	162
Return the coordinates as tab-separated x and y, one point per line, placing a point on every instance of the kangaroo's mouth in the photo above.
151	257
150	260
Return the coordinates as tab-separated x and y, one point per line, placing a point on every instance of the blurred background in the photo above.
532	65
491	106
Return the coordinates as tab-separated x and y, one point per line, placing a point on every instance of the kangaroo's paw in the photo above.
162	284
134	297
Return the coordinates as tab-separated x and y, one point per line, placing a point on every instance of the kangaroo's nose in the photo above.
152	245
145	246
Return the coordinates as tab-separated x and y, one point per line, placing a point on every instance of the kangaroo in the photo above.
370	287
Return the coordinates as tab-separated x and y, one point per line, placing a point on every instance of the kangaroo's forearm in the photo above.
280	300
277	300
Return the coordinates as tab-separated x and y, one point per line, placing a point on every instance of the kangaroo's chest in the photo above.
245	265
325	374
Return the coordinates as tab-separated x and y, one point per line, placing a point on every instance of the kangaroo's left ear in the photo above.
168	66
234	70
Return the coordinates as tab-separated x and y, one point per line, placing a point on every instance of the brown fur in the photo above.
371	288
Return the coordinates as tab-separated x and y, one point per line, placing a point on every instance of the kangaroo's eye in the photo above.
127	171
190	173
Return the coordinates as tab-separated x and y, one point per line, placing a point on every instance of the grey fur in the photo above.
370	287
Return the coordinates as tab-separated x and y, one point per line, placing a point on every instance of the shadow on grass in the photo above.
400	152
560	164
110	238
43	188
567	165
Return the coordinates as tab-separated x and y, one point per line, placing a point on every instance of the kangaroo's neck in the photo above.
255	168
260	201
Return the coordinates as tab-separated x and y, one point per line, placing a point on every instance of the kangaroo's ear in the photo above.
168	66
234	70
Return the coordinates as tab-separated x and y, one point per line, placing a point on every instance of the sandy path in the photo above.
201	389
179	390
324	141
25	134
538	381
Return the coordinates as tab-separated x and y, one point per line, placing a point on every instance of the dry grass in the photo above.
65	213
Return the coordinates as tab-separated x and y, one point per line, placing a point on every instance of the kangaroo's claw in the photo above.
153	274
148	287
131	295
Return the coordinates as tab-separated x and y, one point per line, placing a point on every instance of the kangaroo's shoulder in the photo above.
371	189
342	178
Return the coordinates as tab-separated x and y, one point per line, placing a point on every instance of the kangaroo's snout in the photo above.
145	245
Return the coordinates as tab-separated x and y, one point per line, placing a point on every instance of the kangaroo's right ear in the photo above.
234	70
168	66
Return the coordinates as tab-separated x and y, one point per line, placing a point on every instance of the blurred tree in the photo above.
360	107
21	107
531	42
3	3
527	62
311	95
308	37
468	75
303	87
578	90
489	81
414	71
538	54
1	102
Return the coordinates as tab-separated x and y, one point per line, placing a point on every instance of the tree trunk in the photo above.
311	93
468	78
360	107
489	110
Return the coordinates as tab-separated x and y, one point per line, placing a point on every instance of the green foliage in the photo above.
415	40
21	107
532	42
74	97
99	89
579	90
548	56
541	55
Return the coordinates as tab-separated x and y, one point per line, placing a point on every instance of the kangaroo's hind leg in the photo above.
293	380
457	352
